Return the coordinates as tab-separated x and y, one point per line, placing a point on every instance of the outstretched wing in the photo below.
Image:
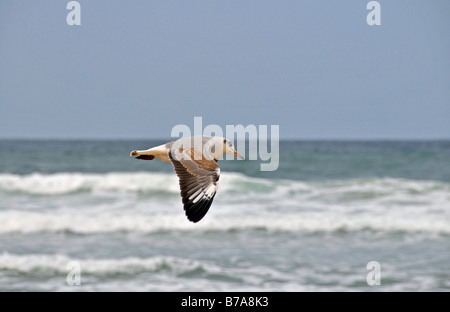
198	183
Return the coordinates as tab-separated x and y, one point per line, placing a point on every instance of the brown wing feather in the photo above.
198	183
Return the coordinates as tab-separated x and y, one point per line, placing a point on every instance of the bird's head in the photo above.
228	148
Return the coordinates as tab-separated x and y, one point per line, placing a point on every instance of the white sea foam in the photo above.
378	204
29	222
65	183
58	263
168	273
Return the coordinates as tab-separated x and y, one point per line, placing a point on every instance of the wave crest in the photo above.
141	182
29	223
66	183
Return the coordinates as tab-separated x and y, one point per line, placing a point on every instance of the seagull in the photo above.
195	162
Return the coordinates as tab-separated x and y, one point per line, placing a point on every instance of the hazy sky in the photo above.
135	69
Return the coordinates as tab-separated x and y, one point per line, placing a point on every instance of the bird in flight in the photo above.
195	162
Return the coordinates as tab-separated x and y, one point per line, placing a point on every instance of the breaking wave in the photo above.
28	223
67	183
73	202
197	274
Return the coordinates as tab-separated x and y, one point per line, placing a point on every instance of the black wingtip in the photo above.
196	212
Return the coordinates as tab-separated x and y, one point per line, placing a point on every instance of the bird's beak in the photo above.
236	154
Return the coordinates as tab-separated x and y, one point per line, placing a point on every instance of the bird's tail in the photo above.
145	157
139	156
159	152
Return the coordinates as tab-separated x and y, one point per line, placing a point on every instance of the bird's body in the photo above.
195	162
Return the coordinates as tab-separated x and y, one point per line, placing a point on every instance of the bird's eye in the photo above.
224	141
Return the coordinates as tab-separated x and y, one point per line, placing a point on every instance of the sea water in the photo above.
312	225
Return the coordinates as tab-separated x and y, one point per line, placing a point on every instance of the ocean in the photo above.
84	216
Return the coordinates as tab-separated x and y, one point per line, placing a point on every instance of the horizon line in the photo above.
373	139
